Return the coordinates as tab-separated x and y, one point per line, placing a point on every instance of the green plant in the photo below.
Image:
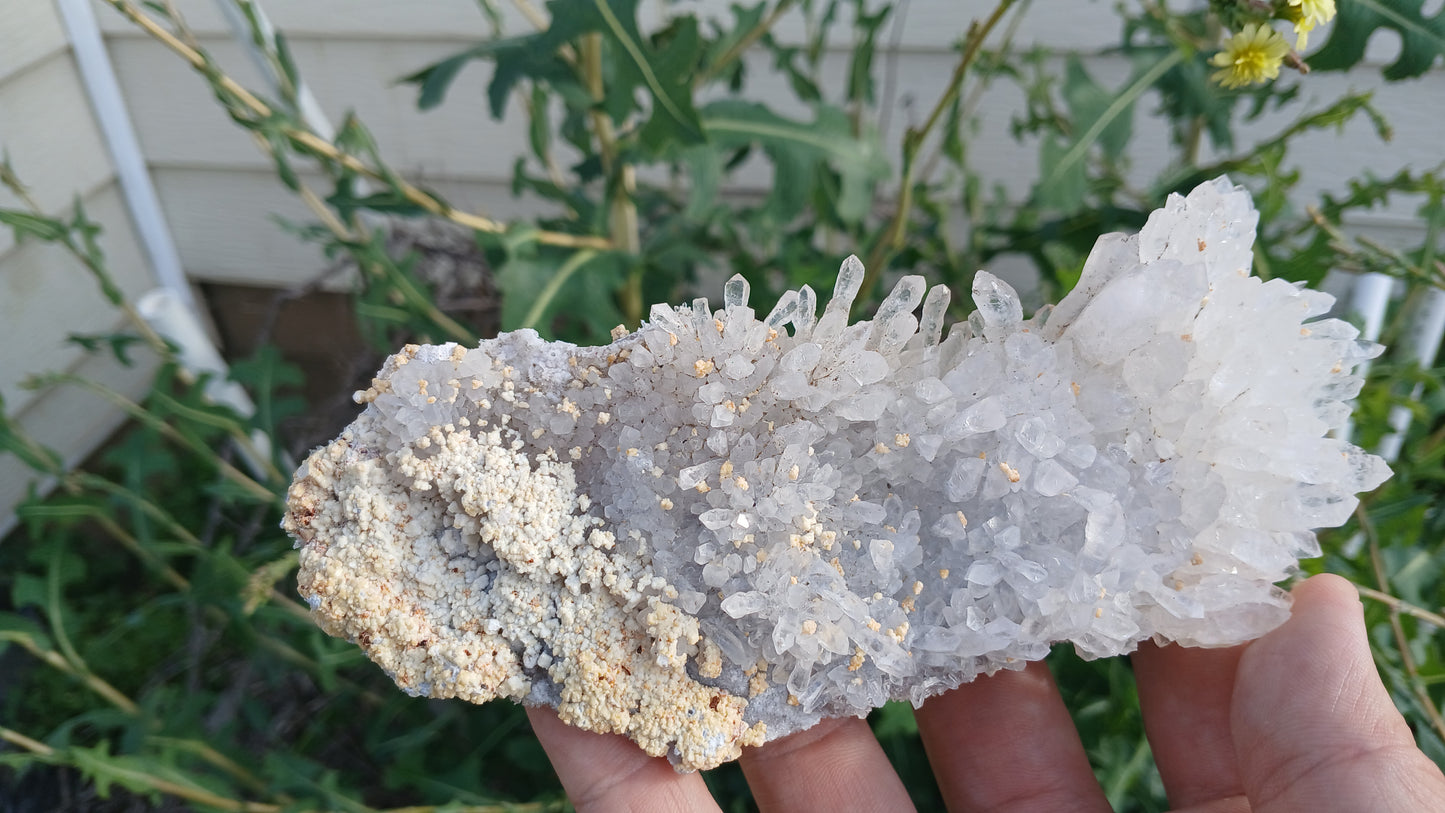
185	669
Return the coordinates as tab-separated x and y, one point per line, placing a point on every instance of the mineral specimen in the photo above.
718	530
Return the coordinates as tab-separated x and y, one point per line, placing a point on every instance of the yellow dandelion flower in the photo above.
1307	14
1251	56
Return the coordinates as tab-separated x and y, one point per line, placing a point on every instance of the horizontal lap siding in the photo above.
54	144
353	51
47	295
71	421
31	32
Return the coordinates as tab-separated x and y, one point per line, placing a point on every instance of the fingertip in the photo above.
1328	590
1313	724
1040	765
835	765
609	772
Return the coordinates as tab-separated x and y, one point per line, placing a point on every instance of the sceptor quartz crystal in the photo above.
719	530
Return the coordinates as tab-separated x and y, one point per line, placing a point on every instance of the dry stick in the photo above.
166	786
90	679
623	224
1402	606
205	797
216	758
265	42
323	212
971	101
892	237
33	746
1407	660
320	146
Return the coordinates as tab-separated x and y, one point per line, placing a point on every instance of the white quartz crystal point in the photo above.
718	530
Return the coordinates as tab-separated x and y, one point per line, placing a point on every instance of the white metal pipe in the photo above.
98	75
169	317
1370	299
310	109
171	310
1422	344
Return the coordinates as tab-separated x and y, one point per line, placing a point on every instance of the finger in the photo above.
608	772
1185	695
1007	742
1313	725
835	765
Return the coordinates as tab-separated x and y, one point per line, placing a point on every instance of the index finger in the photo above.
1007	742
608	772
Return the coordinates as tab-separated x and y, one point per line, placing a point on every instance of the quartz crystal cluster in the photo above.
720	529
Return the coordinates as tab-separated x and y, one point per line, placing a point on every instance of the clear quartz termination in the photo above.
719	530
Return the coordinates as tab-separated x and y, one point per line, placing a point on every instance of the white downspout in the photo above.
309	108
171	310
1421	343
125	153
1370	299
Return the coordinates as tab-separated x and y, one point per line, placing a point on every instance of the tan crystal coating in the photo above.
414	601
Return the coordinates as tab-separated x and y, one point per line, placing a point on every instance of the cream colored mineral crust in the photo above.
718	530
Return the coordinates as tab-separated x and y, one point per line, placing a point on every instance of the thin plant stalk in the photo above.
892	237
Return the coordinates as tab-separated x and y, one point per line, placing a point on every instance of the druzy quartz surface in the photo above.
722	528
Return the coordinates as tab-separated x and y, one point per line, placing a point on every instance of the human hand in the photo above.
1295	721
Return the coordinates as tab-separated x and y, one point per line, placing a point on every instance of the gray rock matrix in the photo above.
718	530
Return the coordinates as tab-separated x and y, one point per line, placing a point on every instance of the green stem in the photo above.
56	660
102	275
1402	606
1402	642
738	48
250	109
549	291
143	415
1080	149
55	613
1128	776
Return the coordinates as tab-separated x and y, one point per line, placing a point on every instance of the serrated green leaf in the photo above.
1422	39
669	75
539	124
27	590
117	343
1065	181
525	57
15	626
26	224
1063	166
539	288
265	374
745	19
285	61
665	73
798	150
860	63
387	201
1089	102
704	171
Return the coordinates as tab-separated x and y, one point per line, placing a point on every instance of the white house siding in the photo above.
47	129
221	196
